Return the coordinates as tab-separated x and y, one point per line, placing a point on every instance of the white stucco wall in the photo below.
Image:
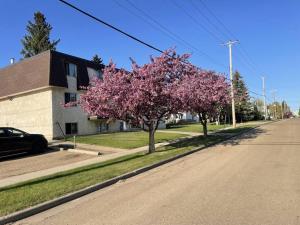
31	112
72	114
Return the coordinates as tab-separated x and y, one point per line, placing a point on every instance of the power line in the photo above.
117	29
111	26
196	21
242	51
218	20
209	20
127	34
165	30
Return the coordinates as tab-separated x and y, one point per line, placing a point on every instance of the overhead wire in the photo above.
119	30
159	26
244	57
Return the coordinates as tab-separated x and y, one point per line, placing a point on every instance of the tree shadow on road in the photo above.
242	135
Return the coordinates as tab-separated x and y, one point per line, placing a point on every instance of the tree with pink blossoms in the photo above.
144	96
204	93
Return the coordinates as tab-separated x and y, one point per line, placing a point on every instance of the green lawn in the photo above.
196	127
30	193
126	140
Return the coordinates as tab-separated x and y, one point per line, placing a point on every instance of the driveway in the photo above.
250	181
31	163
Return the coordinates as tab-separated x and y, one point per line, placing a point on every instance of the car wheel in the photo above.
38	147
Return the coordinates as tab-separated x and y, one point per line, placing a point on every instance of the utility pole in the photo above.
282	109
274	103
264	94
229	44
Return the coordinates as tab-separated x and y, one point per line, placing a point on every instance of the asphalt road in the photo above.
254	180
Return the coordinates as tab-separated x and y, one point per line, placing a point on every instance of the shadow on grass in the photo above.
189	143
230	137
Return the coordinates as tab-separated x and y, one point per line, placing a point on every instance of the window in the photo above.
70	97
71	128
71	69
94	73
2	133
103	127
15	133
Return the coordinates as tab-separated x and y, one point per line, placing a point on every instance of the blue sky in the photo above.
268	31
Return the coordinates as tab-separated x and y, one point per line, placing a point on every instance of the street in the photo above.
253	180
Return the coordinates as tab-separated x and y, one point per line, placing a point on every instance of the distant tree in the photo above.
38	38
257	109
98	60
243	106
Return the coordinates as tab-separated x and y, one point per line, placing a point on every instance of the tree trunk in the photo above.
151	138
203	121
204	124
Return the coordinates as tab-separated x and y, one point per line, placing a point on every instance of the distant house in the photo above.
33	91
182	116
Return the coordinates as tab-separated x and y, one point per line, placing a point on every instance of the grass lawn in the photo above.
126	140
196	127
30	193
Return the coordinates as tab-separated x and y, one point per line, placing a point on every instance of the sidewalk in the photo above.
118	153
107	154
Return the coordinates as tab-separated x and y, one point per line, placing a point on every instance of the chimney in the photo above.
12	60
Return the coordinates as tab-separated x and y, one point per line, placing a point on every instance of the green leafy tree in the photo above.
257	109
38	37
98	60
243	106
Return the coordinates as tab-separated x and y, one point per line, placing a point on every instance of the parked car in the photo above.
14	141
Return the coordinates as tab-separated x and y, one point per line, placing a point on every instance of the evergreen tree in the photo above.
243	106
98	60
38	38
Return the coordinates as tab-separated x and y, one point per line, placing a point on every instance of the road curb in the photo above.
77	194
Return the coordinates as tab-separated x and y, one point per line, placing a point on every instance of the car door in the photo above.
18	140
5	147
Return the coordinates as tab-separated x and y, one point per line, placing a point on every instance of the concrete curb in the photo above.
77	194
84	152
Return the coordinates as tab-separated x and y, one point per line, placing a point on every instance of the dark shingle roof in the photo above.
43	70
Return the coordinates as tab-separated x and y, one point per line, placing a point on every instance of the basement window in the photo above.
71	128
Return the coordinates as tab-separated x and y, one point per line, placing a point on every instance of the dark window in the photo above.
70	97
67	68
3	133
71	69
15	133
71	128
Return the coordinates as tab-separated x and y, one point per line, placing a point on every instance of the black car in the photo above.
14	141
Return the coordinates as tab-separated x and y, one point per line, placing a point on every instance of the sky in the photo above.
268	32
